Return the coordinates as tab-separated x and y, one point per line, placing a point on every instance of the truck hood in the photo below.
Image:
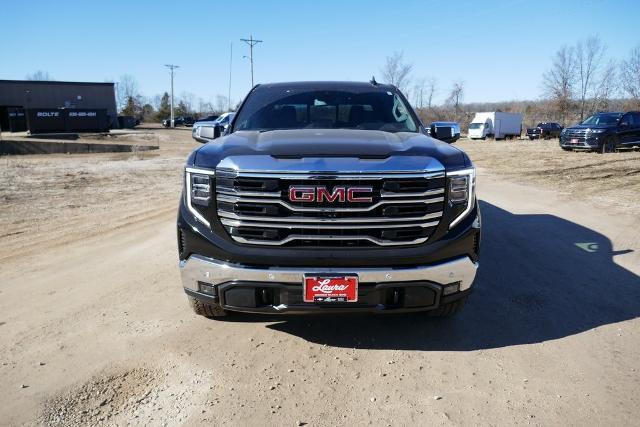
328	149
578	127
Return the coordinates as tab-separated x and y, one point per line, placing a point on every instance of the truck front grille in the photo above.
576	133
255	208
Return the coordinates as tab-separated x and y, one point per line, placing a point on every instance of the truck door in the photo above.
627	129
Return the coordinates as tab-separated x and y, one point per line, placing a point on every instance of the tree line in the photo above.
132	103
582	79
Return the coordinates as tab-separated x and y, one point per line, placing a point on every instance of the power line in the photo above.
172	68
251	42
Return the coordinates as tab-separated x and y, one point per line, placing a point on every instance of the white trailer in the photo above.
496	125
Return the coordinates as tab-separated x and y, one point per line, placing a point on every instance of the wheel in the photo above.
450	309
206	310
530	138
608	146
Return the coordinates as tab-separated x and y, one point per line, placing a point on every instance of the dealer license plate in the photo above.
329	288
574	140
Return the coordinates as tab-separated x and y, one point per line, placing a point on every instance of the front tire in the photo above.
608	146
207	310
449	309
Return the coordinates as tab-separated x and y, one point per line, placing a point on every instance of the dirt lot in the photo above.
605	180
95	329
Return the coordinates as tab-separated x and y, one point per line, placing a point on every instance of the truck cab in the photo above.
480	129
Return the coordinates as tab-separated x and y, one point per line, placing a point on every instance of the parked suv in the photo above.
327	197
603	132
178	121
544	130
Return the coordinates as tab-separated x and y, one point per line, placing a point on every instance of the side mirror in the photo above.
623	124
206	133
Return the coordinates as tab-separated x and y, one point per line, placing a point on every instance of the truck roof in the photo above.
328	85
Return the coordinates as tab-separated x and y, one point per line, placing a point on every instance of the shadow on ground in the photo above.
541	278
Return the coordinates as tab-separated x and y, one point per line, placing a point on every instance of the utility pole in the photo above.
172	68
251	42
230	62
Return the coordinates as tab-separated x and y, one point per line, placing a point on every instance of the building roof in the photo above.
55	82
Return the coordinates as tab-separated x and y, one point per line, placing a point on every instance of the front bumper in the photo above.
279	289
590	142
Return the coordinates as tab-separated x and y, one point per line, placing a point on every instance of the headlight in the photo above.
563	131
462	187
198	190
597	130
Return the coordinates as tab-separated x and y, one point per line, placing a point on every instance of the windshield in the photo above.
475	125
284	108
602	119
224	119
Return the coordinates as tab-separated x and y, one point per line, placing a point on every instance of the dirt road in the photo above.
95	328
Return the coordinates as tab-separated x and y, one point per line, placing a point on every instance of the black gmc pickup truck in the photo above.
327	197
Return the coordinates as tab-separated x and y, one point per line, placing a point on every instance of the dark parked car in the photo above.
178	121
544	130
444	131
603	132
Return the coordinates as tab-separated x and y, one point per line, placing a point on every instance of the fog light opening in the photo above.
207	289
451	288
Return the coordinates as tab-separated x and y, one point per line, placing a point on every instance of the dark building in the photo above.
17	96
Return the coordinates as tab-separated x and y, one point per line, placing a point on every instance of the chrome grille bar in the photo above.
311	220
394	217
235	223
235	199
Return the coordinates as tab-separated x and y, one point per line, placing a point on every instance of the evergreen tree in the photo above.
164	111
181	110
130	108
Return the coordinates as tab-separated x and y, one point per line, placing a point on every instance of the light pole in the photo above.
251	42
172	68
230	62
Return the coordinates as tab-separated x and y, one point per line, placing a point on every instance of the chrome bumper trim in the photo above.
201	269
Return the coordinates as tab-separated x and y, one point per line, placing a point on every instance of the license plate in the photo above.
329	288
574	140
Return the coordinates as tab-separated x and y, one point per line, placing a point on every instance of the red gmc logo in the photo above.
320	194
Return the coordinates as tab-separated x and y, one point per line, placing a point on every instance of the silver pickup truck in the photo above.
207	127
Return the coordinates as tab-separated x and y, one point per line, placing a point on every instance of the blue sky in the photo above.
498	48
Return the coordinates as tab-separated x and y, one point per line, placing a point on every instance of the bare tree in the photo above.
589	54
222	103
188	99
127	88
606	87
396	71
431	89
456	95
559	81
157	100
39	75
418	93
630	74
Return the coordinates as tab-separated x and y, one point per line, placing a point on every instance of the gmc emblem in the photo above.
339	194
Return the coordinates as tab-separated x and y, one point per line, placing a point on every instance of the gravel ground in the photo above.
95	328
